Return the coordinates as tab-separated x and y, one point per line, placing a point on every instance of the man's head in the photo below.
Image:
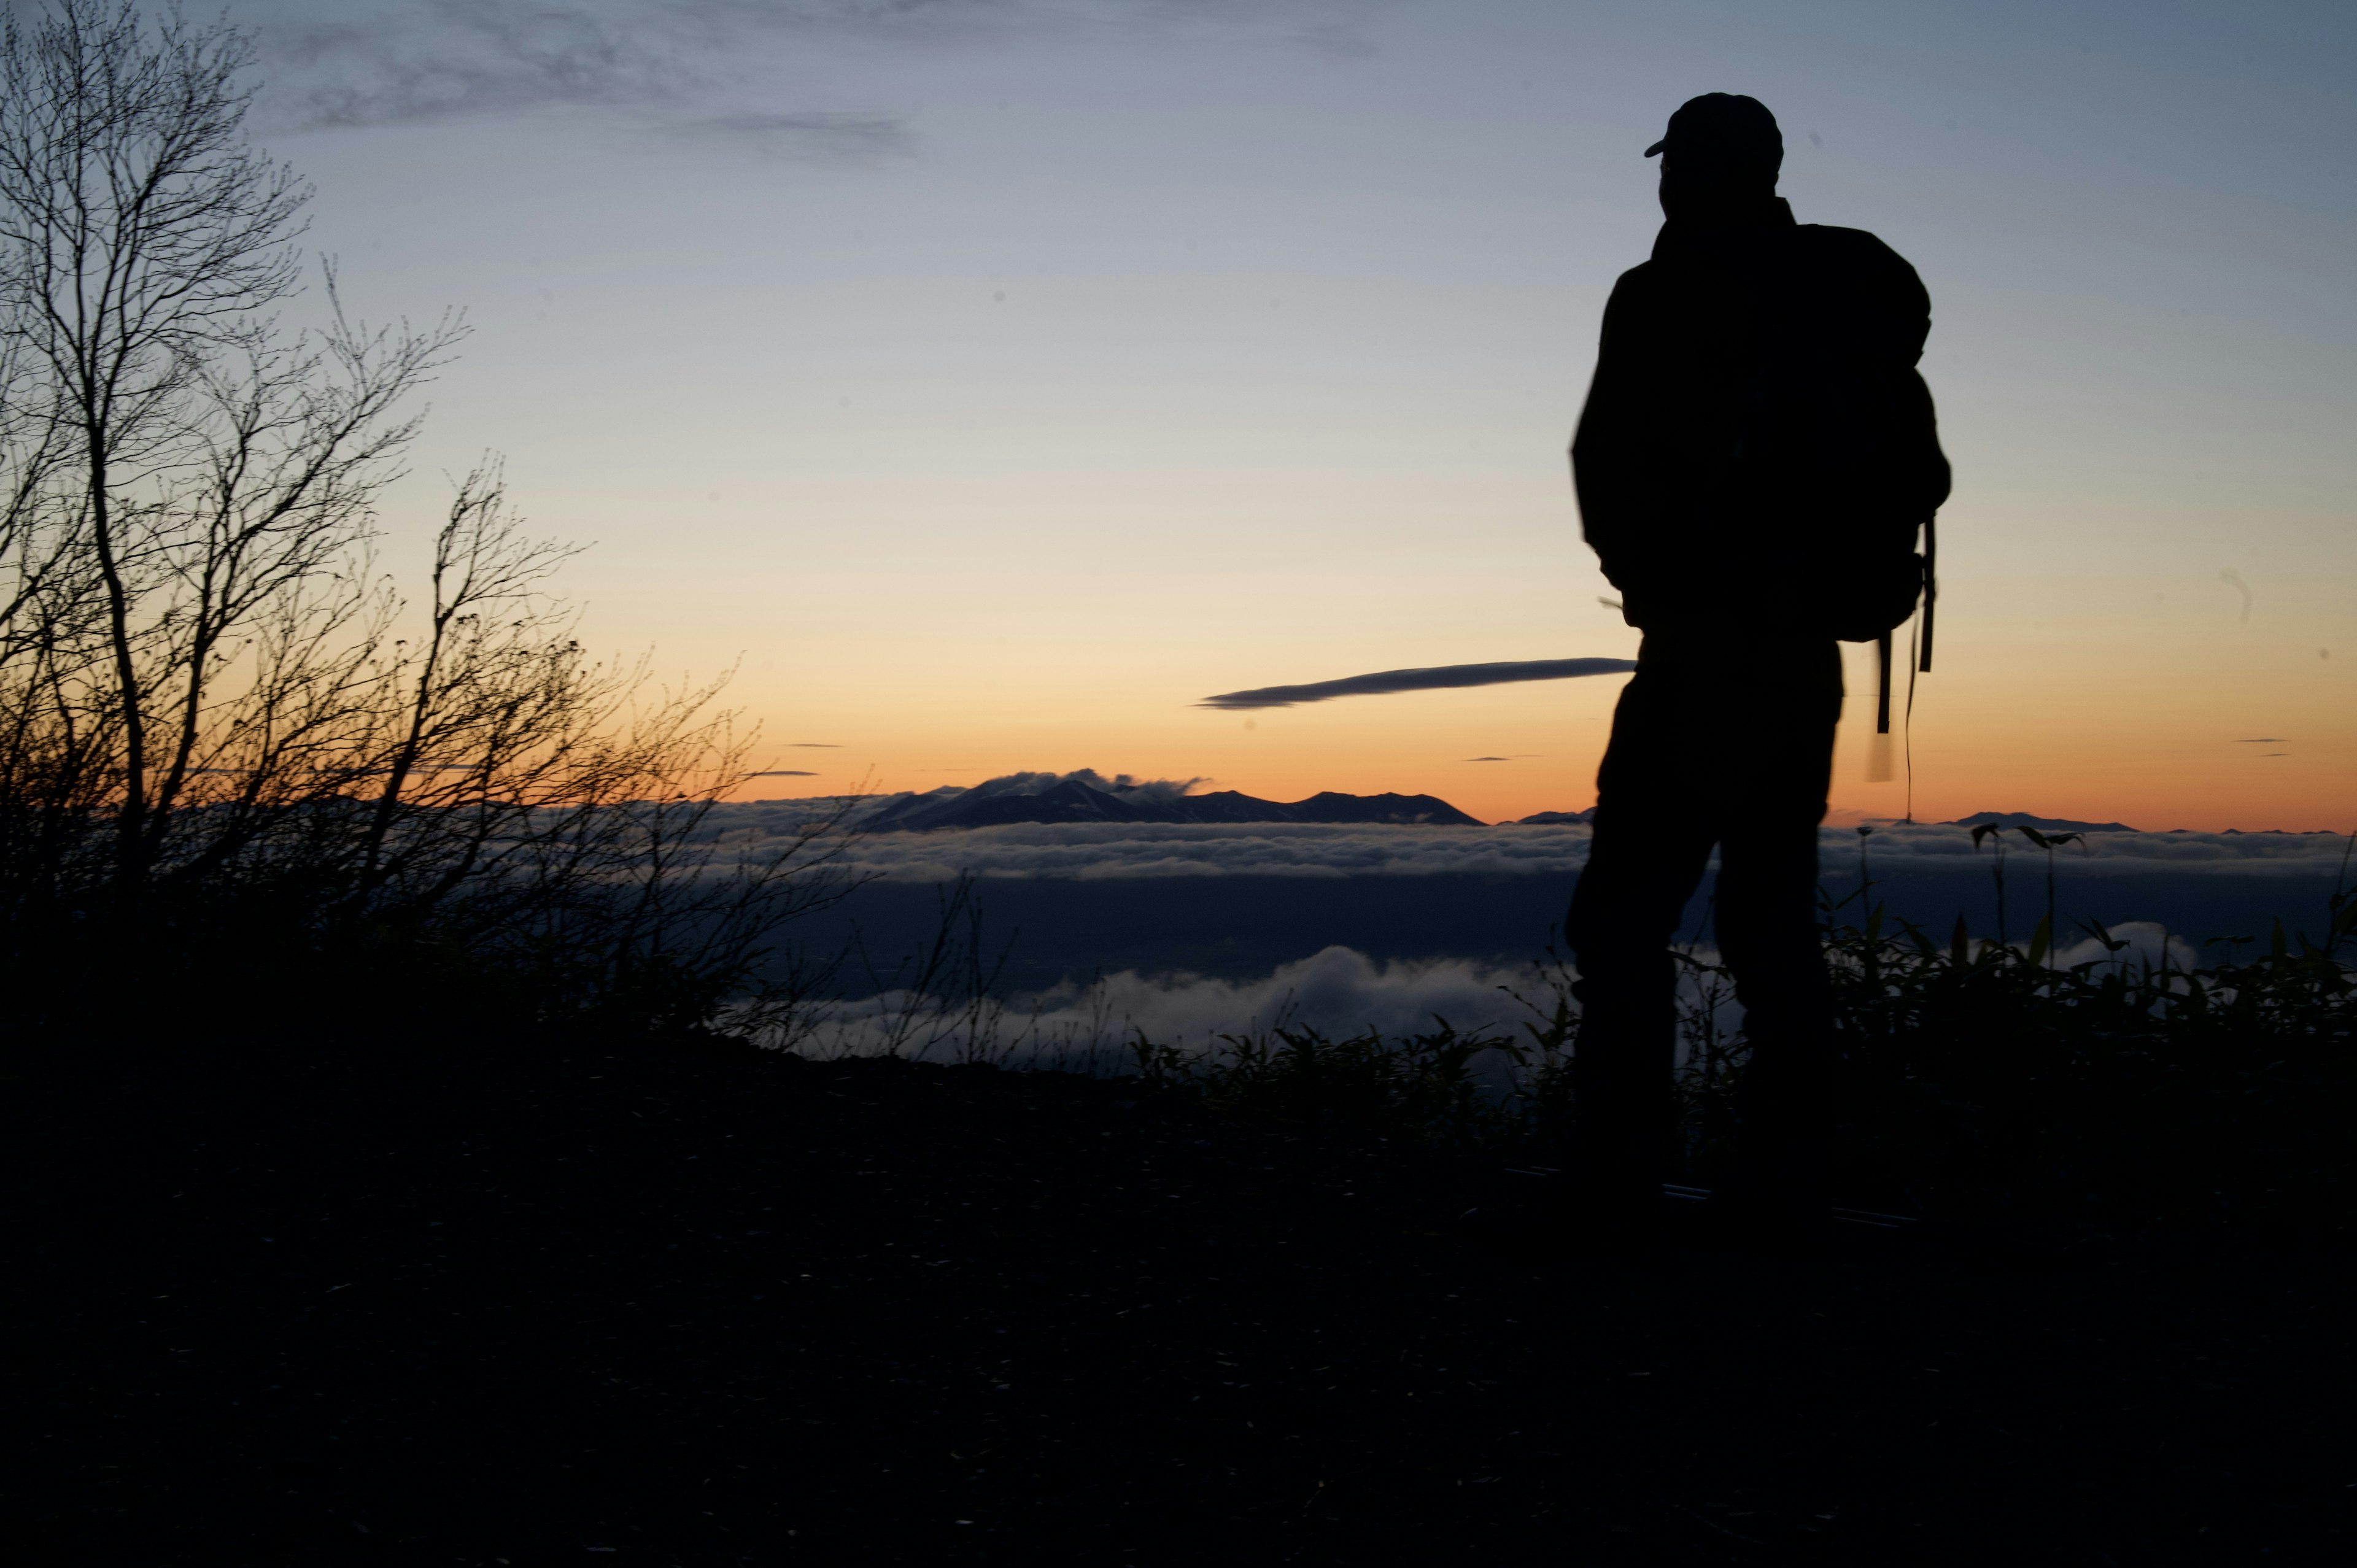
1719	158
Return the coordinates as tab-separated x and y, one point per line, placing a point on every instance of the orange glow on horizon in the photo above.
2178	761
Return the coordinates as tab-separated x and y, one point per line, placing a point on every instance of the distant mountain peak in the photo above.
1081	797
2043	824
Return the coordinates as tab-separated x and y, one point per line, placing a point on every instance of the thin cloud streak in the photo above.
839	137
1444	677
417	62
439	60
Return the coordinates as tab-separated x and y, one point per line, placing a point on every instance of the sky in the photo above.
988	381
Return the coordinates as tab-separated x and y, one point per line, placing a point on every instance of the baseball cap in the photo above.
1728	124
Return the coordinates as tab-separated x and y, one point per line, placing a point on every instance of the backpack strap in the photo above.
1930	587
1882	692
1883	644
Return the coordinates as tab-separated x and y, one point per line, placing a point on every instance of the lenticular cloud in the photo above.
1440	677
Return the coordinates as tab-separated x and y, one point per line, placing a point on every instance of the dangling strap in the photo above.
1931	586
1908	723
1883	697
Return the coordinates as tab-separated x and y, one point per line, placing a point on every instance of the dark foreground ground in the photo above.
665	1308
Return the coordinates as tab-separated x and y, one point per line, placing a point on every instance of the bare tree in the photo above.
526	793
196	462
205	682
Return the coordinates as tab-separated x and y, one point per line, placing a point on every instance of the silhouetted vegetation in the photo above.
1979	1076
1978	1079
239	763
1423	1085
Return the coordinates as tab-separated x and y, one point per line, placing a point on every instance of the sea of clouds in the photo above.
1337	991
1109	850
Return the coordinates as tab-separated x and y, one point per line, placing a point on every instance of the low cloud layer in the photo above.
1943	844
1108	850
1092	851
1338	992
2146	944
1443	677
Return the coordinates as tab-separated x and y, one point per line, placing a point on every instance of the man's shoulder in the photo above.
1854	247
1638	277
1636	293
1834	234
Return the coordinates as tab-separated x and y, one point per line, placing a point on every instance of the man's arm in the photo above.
1607	472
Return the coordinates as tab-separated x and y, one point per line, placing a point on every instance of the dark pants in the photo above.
1726	743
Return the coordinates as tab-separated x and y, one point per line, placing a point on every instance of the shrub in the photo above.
1977	1080
238	770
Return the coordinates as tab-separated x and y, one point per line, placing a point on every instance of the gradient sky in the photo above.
992	379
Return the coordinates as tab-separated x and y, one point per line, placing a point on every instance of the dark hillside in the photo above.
716	1308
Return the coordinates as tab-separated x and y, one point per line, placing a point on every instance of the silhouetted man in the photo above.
1755	459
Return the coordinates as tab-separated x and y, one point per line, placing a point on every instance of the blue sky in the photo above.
991	381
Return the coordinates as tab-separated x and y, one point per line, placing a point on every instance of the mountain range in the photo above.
1072	801
1077	797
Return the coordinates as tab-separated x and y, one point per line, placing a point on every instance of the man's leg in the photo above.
1768	936
1652	837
